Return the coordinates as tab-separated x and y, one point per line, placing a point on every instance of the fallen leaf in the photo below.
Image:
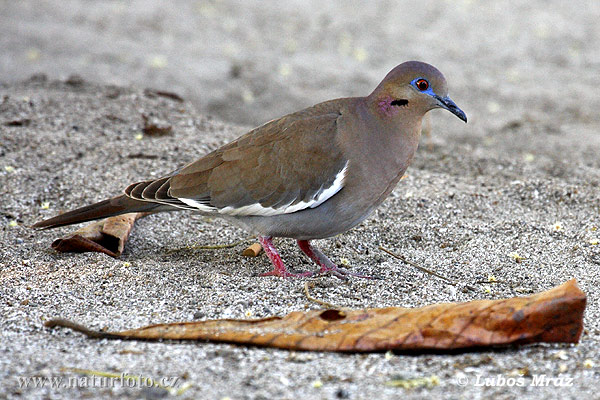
75	80
142	156
554	316
162	93
153	128
18	122
106	236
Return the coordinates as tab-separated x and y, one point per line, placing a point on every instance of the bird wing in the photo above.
286	165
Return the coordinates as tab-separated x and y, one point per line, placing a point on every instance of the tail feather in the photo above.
107	208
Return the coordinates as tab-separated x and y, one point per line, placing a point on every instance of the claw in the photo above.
327	266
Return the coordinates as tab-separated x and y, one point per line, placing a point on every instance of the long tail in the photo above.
107	208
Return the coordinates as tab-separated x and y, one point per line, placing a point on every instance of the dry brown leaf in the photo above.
552	316
106	236
155	128
18	122
163	93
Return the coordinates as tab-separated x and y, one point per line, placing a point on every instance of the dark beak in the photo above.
448	104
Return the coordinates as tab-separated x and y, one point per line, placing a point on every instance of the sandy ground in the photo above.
522	177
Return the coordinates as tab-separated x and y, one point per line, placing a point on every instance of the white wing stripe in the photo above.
337	185
195	204
256	209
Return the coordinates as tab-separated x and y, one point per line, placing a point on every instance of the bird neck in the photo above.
396	135
379	150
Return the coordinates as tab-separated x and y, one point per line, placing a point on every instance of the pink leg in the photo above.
275	258
327	266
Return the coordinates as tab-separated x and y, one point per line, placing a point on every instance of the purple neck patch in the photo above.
385	106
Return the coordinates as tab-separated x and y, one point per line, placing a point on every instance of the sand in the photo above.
522	177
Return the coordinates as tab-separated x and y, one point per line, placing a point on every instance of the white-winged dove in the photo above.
308	175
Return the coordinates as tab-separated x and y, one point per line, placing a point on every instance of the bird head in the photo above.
413	87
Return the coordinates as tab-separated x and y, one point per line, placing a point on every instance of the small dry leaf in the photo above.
162	93
106	236
18	122
154	128
552	316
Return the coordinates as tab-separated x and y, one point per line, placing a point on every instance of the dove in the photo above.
312	174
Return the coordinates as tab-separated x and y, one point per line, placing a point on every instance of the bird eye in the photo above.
422	85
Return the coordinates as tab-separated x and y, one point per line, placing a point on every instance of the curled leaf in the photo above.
106	236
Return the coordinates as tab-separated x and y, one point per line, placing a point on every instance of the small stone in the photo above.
561	355
360	54
285	69
493	107
158	61
562	368
33	54
247	96
199	315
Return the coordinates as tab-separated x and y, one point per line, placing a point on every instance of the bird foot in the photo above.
342	273
327	266
275	258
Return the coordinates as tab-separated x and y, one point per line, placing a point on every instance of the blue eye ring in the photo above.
421	84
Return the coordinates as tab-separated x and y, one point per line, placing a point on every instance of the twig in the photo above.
307	285
208	247
423	269
494	282
216	246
